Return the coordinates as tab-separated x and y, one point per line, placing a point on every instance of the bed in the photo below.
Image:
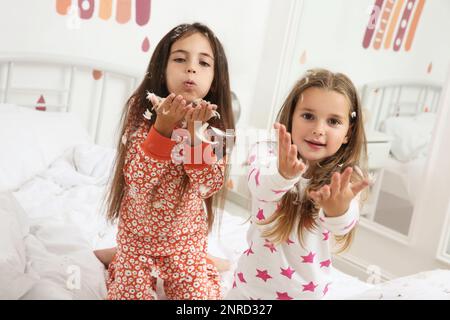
406	112
54	171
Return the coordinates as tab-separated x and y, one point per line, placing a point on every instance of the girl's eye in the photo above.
204	64
334	122
307	116
180	60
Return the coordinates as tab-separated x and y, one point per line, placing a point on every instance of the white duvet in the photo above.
53	222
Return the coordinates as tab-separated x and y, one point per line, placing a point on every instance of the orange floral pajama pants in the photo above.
186	275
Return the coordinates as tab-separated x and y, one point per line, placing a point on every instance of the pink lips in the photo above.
315	144
190	83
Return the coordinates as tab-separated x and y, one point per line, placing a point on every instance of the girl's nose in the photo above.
191	70
318	131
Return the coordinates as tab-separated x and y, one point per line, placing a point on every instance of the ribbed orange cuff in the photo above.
158	146
199	156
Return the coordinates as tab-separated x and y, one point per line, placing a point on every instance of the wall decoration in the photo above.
430	67
86	8
393	23
62	6
97	74
123	9
40	104
145	45
384	19
303	57
142	12
105	9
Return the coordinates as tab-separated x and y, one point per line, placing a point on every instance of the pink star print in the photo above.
260	214
234	284
249	251
283	296
241	277
270	245
287	272
263	275
251	159
309	258
250	174
350	225
325	263
278	191
257	177
289	241
326	235
325	290
309	287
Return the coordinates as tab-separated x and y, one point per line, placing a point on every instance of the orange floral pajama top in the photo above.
162	230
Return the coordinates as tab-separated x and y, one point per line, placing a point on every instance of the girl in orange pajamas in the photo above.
164	206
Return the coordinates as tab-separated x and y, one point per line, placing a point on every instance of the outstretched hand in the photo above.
335	198
289	166
170	111
197	116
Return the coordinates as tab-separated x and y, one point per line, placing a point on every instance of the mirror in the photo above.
386	51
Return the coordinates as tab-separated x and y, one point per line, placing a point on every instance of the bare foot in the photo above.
222	265
105	255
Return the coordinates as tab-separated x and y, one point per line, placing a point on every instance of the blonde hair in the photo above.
303	213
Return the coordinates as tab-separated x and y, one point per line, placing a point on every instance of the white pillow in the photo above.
31	140
14	283
411	135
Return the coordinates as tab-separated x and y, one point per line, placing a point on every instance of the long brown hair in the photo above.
155	81
303	213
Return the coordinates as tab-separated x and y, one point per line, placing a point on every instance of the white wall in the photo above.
35	26
331	34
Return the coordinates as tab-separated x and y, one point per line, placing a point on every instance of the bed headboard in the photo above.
93	90
399	98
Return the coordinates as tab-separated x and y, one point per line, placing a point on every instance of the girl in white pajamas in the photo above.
305	189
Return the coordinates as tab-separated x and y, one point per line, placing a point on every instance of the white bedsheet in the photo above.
433	285
64	224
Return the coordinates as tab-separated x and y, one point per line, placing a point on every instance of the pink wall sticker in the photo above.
373	21
383	23
393	23
143	12
40	104
396	22
401	31
123	11
145	45
86	8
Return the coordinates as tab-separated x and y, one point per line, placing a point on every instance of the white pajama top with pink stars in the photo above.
284	271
